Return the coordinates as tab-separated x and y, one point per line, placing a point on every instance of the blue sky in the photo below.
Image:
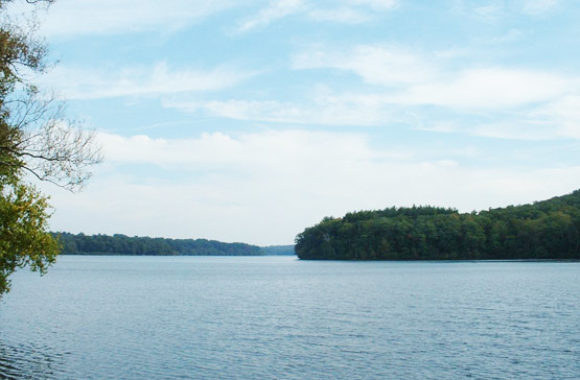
248	121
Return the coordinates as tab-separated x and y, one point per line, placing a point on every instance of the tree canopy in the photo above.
543	230
36	141
81	244
118	244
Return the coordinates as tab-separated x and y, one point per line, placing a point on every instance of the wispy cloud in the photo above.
536	7
376	64
344	11
236	152
73	18
489	12
563	113
343	15
321	111
496	10
527	103
375	4
510	37
84	83
276	10
524	104
488	88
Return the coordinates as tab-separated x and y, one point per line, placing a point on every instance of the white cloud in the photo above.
351	11
556	120
323	110
341	15
266	187
344	11
527	104
376	4
495	10
563	114
517	98
410	78
489	12
536	7
382	65
488	88
536	130
276	10
73	17
516	127
524	104
288	147
82	83
141	149
512	36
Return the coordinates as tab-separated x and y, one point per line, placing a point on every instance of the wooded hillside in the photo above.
543	230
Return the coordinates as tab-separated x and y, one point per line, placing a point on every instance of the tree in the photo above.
35	142
544	230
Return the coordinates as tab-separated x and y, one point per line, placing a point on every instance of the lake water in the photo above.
281	318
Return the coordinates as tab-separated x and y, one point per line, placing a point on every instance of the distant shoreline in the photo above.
164	255
348	260
123	245
451	260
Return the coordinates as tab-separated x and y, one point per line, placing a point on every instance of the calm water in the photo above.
280	318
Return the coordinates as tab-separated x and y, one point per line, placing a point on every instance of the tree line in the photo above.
81	244
543	230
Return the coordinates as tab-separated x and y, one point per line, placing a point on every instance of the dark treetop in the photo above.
548	229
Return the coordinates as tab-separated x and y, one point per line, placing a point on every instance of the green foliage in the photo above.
145	246
23	211
23	237
33	140
543	230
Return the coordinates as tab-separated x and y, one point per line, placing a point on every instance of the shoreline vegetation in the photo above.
544	230
122	245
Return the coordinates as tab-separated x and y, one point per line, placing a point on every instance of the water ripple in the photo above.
190	318
30	362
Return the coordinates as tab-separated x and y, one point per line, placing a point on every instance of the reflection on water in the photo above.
29	362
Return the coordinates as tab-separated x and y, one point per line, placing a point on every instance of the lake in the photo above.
280	318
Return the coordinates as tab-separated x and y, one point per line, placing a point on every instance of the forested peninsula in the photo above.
81	244
547	229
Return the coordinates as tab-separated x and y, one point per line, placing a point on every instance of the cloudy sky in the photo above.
250	120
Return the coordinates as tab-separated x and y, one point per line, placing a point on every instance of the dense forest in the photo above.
145	246
543	230
118	244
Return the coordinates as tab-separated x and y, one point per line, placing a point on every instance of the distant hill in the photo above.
81	244
548	229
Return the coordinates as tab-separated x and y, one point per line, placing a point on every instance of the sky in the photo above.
251	120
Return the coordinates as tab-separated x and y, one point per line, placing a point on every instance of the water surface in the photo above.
281	318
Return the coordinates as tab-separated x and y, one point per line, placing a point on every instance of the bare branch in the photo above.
51	148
